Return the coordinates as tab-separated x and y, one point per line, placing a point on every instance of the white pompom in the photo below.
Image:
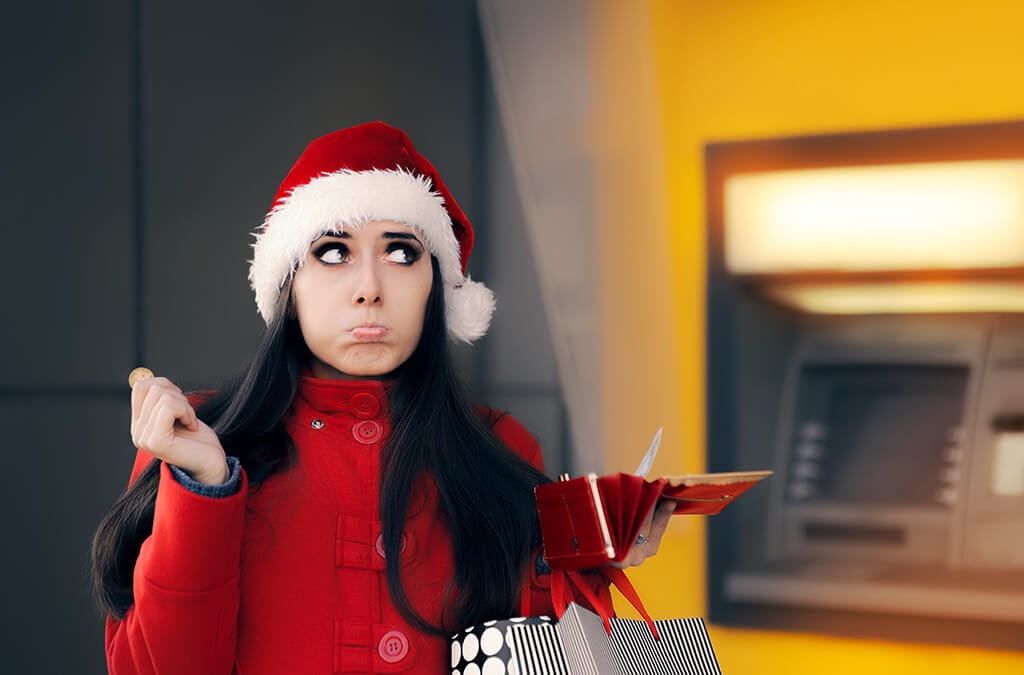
470	308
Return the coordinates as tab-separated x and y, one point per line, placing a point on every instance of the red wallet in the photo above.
590	521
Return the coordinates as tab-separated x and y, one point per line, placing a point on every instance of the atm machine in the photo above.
866	341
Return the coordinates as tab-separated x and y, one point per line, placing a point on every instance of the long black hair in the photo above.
485	490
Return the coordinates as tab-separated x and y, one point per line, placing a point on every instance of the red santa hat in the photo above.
350	177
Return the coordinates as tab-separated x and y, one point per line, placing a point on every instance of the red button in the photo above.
368	431
364	405
393	646
380	545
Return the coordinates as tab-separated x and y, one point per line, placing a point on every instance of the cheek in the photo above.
416	308
301	301
312	297
422	297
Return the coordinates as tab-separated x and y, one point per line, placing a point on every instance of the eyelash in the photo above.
412	253
322	250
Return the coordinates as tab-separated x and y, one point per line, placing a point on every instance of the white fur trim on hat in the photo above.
334	201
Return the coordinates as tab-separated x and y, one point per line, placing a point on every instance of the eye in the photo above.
332	253
403	254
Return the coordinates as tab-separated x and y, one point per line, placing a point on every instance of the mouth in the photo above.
370	333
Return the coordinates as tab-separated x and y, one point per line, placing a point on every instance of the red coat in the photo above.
289	578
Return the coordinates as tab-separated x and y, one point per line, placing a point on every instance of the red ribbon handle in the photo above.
561	595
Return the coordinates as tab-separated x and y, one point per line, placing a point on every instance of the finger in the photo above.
664	513
148	393
175	402
189	420
659	519
157	432
659	514
142	389
659	525
160	396
138	397
639	555
135	377
139	392
649	520
142	386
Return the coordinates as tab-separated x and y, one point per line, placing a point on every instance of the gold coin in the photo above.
138	375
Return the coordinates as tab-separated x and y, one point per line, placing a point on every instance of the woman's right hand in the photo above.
165	425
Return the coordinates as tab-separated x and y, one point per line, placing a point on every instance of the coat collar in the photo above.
346	396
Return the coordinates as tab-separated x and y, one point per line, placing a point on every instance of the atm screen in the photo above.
877	434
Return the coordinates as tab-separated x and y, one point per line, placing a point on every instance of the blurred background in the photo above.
594	145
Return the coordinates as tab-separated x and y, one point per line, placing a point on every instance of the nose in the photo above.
367	291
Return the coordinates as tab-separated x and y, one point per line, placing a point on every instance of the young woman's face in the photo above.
360	297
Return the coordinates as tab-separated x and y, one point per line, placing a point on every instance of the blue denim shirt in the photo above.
225	489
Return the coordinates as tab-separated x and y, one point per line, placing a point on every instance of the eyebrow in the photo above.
386	235
401	235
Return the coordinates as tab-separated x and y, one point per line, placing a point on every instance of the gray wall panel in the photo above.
544	416
67	146
521	335
66	459
516	367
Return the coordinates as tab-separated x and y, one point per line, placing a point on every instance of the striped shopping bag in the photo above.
578	644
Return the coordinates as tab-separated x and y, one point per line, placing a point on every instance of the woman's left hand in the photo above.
650	535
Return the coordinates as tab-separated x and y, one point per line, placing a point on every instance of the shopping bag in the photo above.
578	644
520	646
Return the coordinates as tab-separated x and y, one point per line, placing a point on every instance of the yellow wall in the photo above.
672	75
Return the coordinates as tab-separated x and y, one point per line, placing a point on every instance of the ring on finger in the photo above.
640	540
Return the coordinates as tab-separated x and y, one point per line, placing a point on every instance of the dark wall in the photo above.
141	143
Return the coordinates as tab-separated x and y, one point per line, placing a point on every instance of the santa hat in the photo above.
350	177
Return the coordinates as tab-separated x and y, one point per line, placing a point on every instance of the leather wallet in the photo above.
592	521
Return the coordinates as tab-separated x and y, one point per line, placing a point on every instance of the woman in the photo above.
339	506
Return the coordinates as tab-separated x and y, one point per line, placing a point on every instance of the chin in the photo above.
361	361
368	372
